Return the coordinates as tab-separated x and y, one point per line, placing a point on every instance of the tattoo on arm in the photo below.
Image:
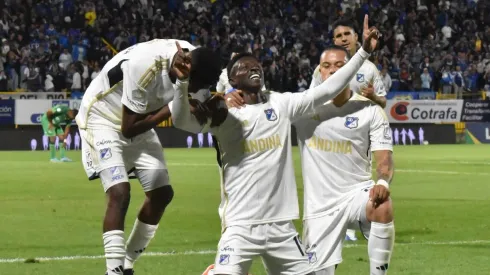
384	165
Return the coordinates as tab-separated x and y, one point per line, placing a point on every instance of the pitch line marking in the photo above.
210	252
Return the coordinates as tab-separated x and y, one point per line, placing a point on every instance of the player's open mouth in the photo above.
255	76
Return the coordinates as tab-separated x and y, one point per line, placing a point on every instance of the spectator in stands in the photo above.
286	36
76	86
386	79
426	80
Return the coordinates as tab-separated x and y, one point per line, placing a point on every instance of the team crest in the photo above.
224	259
270	114
360	77
312	257
351	122
105	153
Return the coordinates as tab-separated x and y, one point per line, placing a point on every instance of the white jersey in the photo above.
137	77
335	146
368	73
258	182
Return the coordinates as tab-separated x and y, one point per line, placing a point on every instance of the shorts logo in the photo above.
116	173
270	114
351	122
312	257
105	153
224	259
360	77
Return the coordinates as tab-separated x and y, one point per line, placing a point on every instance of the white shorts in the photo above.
108	149
277	243
323	236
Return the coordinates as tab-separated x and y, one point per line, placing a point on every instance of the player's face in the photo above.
330	62
345	37
246	75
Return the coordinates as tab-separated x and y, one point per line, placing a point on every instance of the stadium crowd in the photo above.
431	45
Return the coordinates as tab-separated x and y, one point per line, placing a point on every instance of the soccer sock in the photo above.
62	150
52	151
380	246
114	251
138	241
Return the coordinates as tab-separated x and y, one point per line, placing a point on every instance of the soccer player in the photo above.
52	122
336	145
259	197
118	112
367	81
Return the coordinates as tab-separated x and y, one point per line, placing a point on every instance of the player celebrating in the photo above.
336	144
51	122
367	80
259	197
118	112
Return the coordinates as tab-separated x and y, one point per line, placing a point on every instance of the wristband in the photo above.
230	91
384	183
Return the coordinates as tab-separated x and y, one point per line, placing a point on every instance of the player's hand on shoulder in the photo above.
370	36
378	195
199	110
182	64
218	109
234	99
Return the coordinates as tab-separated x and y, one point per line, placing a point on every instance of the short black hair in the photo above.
75	112
237	57
345	22
205	66
334	47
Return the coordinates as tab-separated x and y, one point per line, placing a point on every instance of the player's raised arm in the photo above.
382	147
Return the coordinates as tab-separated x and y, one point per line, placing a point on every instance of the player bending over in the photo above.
52	122
259	197
367	80
119	110
339	193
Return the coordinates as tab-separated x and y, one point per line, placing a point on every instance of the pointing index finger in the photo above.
179	48
366	22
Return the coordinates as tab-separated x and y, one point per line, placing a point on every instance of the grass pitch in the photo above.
51	215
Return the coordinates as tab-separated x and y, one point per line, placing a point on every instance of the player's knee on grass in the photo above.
381	214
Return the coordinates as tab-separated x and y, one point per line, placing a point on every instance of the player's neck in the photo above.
253	98
342	98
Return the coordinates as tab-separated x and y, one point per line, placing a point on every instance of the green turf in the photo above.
441	198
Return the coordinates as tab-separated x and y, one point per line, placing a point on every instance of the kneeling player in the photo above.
336	144
51	122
